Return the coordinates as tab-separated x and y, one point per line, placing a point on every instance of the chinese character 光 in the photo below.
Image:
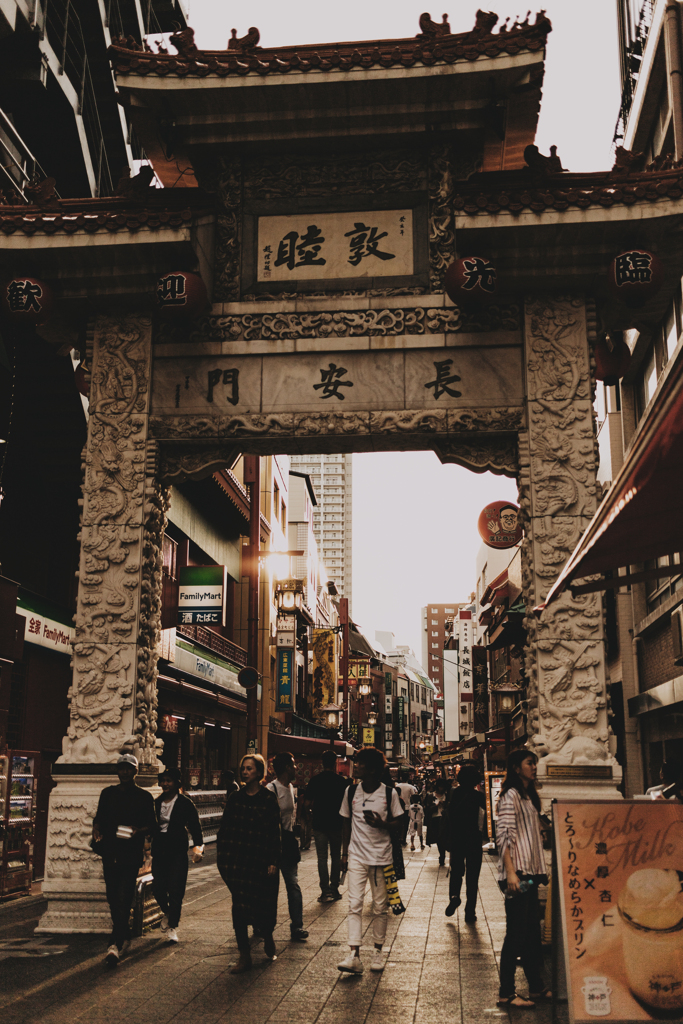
633	268
171	290
306	251
364	241
229	378
479	272
443	378
22	296
330	382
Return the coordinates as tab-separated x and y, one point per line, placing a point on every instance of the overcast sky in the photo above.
414	522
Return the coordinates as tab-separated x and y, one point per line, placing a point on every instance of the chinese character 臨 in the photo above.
330	382
479	272
229	378
443	378
633	268
171	290
364	241
22	296
306	251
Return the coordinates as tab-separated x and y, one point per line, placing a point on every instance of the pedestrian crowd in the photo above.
360	828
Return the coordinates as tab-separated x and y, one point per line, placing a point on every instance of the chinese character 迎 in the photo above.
306	251
330	382
633	268
479	272
22	296
364	241
443	378
229	377
171	290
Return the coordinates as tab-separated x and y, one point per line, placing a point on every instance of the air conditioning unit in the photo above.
677	635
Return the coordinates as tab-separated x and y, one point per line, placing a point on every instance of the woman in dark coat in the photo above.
464	840
248	857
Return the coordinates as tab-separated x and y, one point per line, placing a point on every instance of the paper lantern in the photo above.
27	300
635	277
181	295
499	525
612	359
470	281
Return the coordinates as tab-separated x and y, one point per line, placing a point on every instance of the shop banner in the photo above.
324	680
400	708
201	595
493	782
285	673
39	629
368	737
620	870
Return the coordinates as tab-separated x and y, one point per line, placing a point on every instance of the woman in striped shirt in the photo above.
520	845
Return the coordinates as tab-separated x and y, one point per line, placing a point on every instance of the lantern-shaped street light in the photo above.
372	717
331	714
364	688
289	595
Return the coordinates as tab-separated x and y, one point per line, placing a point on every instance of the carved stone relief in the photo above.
486	455
558	494
69	854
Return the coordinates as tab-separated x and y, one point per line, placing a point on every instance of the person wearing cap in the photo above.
177	816
125	816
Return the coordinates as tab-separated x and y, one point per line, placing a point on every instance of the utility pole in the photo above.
344	621
252	477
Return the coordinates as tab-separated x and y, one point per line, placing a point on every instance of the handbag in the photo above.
97	846
291	854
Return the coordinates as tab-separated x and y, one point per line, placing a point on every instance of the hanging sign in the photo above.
201	595
324	679
400	710
470	281
285	675
620	865
635	276
368	737
181	295
499	525
26	300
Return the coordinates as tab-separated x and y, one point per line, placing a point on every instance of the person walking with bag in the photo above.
285	772
124	818
371	812
177	815
521	871
248	858
465	815
416	815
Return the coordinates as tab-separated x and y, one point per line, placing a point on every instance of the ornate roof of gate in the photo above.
435	44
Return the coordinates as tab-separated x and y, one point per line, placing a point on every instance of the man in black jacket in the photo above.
177	816
125	816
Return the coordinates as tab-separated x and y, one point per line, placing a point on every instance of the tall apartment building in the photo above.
437	628
332	479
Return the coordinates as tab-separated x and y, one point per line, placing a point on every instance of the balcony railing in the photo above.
634	48
218	644
17	163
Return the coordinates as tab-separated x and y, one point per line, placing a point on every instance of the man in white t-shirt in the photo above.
406	791
285	770
371	811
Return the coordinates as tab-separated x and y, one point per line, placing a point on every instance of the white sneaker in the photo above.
112	957
353	964
172	935
164	923
377	962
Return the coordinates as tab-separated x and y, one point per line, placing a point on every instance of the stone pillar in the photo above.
113	692
569	712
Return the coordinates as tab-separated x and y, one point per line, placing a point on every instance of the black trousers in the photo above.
120	877
240	923
466	857
523	940
169	868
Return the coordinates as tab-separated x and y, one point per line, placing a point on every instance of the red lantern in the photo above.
612	359
181	295
470	281
499	525
26	301
635	277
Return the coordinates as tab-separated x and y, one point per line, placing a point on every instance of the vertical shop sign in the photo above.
620	865
400	707
481	700
324	678
285	668
368	737
388	688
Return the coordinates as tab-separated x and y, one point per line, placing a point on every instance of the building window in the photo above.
435	622
435	632
450	611
435	645
276	500
435	611
657	591
283	515
657	356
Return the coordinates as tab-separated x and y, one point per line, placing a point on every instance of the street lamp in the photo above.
372	717
331	713
289	595
364	688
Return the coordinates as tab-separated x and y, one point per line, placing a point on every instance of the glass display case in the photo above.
18	780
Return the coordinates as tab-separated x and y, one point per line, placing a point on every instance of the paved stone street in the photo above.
438	969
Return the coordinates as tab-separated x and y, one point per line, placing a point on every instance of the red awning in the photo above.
282	742
641	516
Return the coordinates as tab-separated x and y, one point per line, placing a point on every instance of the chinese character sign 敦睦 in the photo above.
377	243
620	868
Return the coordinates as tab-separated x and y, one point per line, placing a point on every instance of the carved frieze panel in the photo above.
69	855
483	455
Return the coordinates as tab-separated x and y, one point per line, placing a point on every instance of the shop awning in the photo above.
497	591
641	516
283	742
509	633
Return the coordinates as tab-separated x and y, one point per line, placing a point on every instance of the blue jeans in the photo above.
290	873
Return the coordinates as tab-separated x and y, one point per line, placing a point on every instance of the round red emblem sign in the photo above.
499	525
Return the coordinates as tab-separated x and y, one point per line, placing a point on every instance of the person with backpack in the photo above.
372	812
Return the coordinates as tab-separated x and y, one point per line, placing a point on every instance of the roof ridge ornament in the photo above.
246	43
545	165
431	29
183	40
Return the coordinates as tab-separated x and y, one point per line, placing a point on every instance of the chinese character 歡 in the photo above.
171	290
22	296
306	251
479	272
443	378
364	242
330	382
633	268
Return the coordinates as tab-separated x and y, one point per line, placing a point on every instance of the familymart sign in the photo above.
44	630
201	595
